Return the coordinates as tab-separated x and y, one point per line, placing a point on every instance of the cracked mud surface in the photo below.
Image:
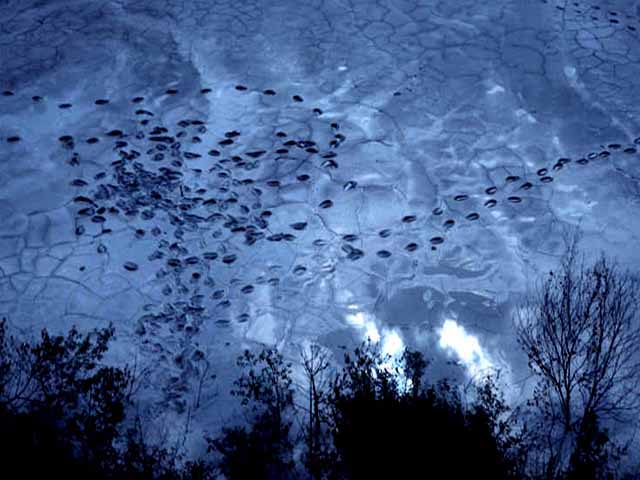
208	175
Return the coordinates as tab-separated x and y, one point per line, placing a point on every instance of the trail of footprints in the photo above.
140	183
599	15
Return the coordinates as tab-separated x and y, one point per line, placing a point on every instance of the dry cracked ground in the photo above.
211	176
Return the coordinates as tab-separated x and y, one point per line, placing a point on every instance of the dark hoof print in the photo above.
130	266
412	247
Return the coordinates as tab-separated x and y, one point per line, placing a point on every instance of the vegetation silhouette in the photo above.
64	413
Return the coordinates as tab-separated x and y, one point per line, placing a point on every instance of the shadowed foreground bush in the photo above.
63	415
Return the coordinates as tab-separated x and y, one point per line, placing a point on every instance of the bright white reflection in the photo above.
391	342
454	337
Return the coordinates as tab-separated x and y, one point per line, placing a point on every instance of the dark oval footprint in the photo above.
7	93
491	190
247	289
411	247
78	182
546	179
557	166
217	295
223	322
171	91
437	241
409	219
490	203
592	155
542	172
204	91
449	223
297	98
317	111
229	259
385	233
326	204
383	253
630	150
269	92
13	139
515	199
102	101
137	99
526	186
241	88
350	237
437	211
473	216
350	185
582	161
303	178
299	225
299	270
130	266
37	98
329	163
64	106
461	198
512	178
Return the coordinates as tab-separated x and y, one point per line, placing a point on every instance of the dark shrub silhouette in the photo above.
381	422
263	450
61	413
384	429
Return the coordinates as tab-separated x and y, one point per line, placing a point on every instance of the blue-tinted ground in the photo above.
361	206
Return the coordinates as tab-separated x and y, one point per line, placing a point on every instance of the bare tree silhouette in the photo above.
581	334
